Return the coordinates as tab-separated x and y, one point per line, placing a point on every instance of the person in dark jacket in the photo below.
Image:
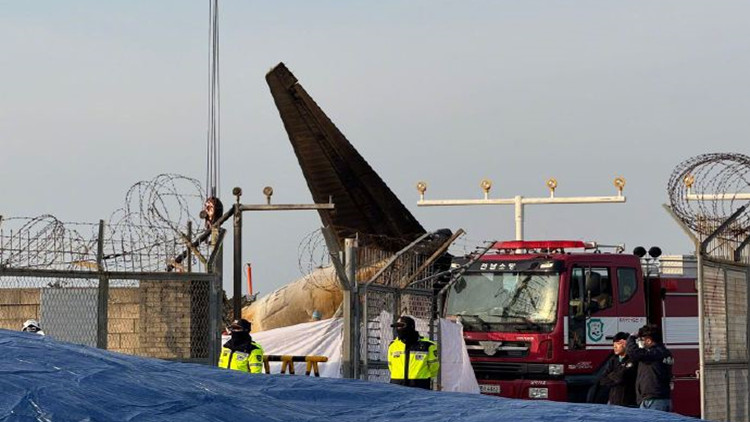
653	382
619	374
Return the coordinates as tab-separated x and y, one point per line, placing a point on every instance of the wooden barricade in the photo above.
287	362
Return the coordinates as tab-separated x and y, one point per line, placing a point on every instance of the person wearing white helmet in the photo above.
32	326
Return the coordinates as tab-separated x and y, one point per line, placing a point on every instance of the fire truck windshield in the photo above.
491	298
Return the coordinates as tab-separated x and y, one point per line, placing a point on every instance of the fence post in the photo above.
351	275
349	359
747	337
103	296
237	259
189	252
215	267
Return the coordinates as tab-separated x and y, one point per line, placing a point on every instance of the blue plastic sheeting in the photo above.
45	380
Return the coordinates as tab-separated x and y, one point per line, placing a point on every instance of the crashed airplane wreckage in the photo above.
365	207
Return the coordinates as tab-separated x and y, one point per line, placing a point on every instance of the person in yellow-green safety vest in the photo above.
412	360
240	352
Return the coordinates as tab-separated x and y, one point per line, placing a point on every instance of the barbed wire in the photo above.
149	230
144	235
703	192
313	255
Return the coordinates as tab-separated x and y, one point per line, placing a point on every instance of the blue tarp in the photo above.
45	380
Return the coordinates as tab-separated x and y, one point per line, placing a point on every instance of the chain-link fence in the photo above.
724	276
396	284
95	291
725	340
710	198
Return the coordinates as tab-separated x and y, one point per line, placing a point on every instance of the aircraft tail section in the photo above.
333	168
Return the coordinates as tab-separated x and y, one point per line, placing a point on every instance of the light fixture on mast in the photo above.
519	201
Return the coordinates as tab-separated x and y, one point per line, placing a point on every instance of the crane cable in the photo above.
212	141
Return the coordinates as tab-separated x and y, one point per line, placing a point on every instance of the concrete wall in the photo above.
165	319
18	305
124	320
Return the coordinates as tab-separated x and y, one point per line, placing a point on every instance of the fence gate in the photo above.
399	284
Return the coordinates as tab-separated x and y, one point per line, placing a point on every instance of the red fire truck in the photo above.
539	316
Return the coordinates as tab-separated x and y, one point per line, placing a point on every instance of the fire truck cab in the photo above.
539	318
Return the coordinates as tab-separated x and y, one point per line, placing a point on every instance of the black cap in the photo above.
404	321
620	336
650	330
240	325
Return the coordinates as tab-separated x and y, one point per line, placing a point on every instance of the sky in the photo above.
97	96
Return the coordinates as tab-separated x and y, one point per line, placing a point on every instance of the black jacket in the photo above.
619	376
654	370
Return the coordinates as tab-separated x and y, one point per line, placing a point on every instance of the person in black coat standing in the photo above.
619	374
653	382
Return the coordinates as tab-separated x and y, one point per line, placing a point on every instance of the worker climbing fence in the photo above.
83	290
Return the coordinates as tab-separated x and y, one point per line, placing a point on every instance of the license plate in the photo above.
489	388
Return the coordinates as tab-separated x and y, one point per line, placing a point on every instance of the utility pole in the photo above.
519	201
237	211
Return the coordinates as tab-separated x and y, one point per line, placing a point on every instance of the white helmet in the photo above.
31	325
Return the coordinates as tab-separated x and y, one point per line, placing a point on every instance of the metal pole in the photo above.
747	338
723	226
103	293
685	229
738	252
189	252
365	373
439	380
350	246
346	350
699	287
334	252
519	217
701	338
237	266
215	266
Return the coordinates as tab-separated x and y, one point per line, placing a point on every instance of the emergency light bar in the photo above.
544	244
552	246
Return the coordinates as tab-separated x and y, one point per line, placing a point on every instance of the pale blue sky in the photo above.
99	95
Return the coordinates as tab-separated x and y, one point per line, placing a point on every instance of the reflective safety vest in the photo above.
241	361
417	362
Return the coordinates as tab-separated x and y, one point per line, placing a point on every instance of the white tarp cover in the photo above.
457	374
325	338
322	338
